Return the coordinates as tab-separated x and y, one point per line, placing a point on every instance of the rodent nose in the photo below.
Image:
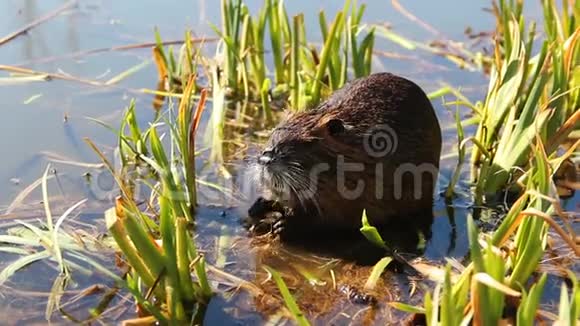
266	157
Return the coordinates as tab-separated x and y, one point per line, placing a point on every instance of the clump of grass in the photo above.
174	71
161	255
530	108
302	73
528	94
503	262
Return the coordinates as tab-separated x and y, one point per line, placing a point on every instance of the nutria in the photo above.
374	145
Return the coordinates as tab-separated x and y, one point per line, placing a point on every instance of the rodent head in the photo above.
306	134
302	148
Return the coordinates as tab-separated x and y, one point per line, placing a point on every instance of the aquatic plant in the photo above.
161	256
173	72
528	94
530	109
301	72
503	262
288	298
50	240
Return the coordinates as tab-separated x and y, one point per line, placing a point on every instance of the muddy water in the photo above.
45	121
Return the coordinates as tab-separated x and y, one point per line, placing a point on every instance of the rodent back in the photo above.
341	124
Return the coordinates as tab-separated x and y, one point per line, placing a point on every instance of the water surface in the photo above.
44	121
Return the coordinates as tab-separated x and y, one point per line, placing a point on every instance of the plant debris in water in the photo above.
164	255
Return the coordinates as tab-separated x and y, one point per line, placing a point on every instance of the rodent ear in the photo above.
335	126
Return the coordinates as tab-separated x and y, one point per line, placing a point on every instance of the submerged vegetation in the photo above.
526	129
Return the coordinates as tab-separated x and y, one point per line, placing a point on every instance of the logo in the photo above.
380	141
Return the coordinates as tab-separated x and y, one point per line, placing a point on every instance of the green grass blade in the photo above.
530	303
376	272
324	59
46	202
288	299
20	263
407	308
371	233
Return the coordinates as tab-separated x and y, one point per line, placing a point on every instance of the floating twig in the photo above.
414	18
119	48
38	21
50	75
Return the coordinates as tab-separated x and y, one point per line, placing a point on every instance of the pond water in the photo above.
46	121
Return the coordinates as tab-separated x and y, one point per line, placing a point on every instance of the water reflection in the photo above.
453	234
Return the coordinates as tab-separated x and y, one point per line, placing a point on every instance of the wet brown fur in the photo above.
304	140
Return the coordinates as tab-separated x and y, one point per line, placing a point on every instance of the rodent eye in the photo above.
335	126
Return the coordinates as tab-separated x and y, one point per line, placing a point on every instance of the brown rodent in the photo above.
378	134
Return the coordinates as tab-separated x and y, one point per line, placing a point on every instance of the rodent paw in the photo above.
260	208
264	225
279	226
269	216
